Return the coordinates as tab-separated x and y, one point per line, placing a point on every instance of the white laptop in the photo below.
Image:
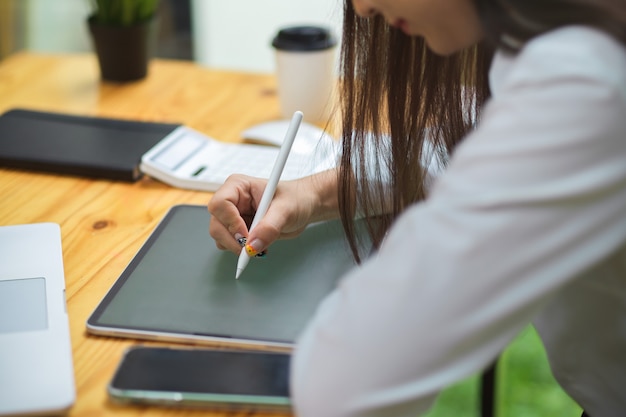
36	370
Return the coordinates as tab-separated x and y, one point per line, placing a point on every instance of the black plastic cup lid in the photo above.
304	38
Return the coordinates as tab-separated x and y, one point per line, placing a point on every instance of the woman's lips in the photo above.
402	25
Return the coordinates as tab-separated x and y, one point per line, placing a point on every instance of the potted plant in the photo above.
123	32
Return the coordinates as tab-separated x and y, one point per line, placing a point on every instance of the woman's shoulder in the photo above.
573	80
571	51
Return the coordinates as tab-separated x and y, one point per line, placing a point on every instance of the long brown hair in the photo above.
511	23
393	86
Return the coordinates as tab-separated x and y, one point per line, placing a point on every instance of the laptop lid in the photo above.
36	370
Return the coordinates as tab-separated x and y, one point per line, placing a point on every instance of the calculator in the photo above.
189	159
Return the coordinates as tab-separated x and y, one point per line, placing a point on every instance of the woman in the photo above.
527	223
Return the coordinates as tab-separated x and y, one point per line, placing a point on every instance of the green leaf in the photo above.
123	12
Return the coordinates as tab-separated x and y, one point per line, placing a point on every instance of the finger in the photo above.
224	240
230	207
266	232
249	249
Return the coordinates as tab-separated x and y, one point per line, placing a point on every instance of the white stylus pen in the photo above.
270	189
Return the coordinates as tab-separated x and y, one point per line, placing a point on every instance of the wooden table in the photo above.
104	223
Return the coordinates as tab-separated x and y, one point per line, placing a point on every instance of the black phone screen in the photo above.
204	371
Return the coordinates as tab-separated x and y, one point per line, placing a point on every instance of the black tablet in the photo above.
93	147
180	287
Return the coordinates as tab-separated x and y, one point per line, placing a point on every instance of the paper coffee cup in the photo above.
305	68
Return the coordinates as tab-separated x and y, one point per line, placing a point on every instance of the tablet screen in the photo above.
180	284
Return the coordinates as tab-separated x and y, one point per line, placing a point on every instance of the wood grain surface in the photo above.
104	223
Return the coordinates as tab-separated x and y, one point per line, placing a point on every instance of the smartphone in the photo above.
207	378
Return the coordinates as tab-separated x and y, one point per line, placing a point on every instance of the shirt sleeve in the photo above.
532	198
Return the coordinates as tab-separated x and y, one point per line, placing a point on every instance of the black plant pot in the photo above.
123	51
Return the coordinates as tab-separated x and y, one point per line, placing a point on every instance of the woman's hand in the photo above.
295	204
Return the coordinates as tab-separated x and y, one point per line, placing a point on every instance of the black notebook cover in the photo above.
77	145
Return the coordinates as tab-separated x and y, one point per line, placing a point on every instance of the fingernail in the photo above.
241	240
254	247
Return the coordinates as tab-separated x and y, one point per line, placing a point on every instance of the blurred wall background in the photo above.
230	34
238	33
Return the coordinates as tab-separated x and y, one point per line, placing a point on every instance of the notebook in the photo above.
36	368
179	287
124	150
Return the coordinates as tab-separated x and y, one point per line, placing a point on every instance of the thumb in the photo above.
266	232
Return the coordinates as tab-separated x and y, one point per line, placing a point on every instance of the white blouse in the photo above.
527	224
